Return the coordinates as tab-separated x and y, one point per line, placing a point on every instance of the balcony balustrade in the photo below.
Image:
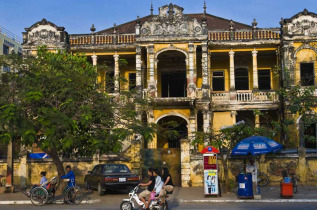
257	34
103	39
240	97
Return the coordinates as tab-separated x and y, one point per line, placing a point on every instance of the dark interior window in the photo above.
173	84
110	81
310	137
264	79
132	81
241	79
218	81
5	50
307	76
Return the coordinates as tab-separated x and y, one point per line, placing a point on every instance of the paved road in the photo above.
228	206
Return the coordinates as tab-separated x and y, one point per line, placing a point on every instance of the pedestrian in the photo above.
253	169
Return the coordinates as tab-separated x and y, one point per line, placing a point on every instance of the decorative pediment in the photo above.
303	24
44	33
171	22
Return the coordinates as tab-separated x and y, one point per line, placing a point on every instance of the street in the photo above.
255	206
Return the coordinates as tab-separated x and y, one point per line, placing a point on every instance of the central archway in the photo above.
171	74
173	129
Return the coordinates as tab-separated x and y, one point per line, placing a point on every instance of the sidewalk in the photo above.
307	194
268	194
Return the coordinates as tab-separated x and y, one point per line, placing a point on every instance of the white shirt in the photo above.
158	184
253	169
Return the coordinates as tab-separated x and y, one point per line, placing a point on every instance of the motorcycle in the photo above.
135	202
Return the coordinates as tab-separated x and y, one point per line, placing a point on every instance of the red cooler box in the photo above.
286	190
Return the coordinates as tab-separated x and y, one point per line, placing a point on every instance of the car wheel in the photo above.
100	190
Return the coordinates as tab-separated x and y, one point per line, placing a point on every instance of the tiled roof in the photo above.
213	23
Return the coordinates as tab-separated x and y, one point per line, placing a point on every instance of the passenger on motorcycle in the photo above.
70	175
158	182
146	193
167	186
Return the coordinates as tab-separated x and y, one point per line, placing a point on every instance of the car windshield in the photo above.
115	169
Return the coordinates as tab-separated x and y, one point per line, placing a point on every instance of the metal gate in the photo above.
159	158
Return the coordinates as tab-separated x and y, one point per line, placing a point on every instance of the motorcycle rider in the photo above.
167	186
146	193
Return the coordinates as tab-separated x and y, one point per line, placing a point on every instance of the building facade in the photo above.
200	70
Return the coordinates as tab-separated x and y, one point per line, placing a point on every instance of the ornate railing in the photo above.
244	97
88	39
256	34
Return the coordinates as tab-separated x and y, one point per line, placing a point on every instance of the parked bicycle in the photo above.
291	173
42	195
263	179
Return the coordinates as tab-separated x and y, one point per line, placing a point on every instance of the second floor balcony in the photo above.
244	97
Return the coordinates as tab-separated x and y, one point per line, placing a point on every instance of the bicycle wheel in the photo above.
263	179
74	195
39	196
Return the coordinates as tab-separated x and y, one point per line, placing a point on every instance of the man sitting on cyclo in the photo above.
70	175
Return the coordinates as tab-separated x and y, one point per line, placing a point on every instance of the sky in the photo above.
77	16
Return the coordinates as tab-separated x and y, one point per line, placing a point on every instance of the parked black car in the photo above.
111	177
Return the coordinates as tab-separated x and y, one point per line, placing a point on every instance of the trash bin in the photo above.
245	186
286	190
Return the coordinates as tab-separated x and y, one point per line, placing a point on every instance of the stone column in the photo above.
94	59
138	68
234	117
136	155
206	124
116	73
96	158
255	69
232	80
185	162
257	120
191	86
205	71
152	83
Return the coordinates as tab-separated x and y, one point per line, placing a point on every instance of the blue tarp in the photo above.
38	155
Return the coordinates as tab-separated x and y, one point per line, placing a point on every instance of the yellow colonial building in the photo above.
200	70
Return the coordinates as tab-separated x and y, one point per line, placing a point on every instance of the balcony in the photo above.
245	35
104	39
244	97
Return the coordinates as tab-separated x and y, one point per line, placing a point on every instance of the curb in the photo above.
251	201
24	202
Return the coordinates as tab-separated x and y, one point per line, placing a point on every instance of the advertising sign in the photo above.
211	182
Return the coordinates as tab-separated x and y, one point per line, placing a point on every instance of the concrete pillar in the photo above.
136	155
191	78
116	73
205	71
234	117
138	68
94	59
232	80
255	69
152	83
95	159
206	124
302	166
185	162
257	120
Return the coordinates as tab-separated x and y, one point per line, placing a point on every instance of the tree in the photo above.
52	100
295	100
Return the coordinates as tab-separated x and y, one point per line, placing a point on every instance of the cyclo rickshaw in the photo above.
45	195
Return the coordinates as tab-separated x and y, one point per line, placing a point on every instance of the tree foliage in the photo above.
52	100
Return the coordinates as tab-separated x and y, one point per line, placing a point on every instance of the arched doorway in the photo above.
167	154
171	74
